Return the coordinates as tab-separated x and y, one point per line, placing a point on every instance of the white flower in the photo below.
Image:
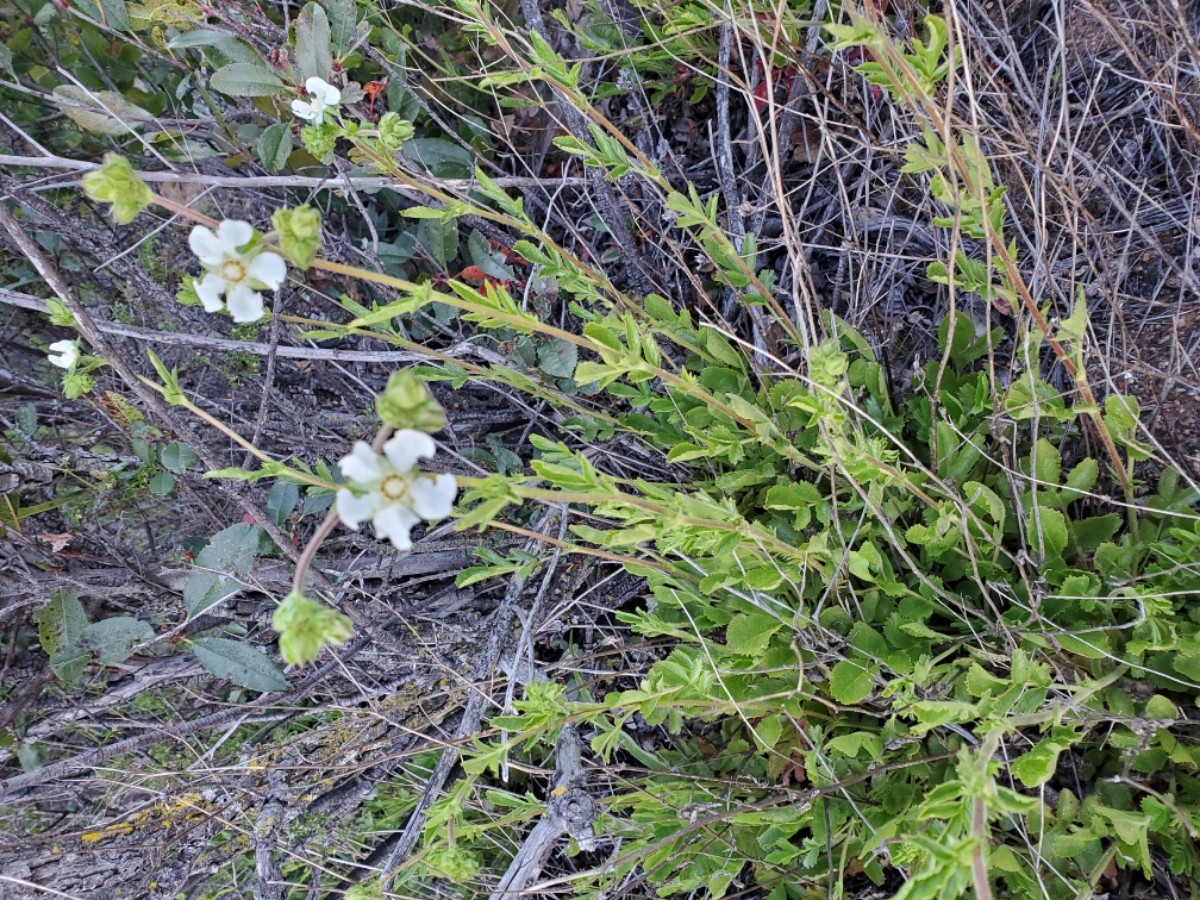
239	276
65	355
390	491
324	97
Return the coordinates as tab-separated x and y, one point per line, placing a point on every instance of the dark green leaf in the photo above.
61	621
245	665
246	80
274	146
313	56
850	682
177	457
442	158
113	639
557	358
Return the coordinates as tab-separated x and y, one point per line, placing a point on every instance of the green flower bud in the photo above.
76	384
407	403
319	142
299	233
394	132
306	626
59	314
115	182
455	863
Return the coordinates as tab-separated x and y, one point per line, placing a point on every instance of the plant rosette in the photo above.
387	489
235	271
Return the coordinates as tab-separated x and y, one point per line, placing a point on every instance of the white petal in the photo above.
268	268
65	354
393	522
303	110
234	233
408	446
209	289
362	465
353	509
433	499
323	91
207	246
244	304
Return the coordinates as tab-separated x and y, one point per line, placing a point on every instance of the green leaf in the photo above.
1047	528
245	665
850	682
246	80
100	112
162	484
749	633
114	639
852	744
440	240
768	731
313	56
1038	765
1083	477
1047	462
558	358
343	17
440	157
110	12
6	63
274	146
281	501
230	553
177	457
61	621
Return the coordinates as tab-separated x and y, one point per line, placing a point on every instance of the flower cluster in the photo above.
390	492
235	270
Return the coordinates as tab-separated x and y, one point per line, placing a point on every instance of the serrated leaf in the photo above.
1048	527
113	639
313	56
769	730
275	146
558	358
1038	765
1083	476
850	682
853	744
1047	462
246	80
749	633
61	621
244	665
100	112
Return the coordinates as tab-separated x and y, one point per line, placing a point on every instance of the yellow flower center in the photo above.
233	271
394	487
